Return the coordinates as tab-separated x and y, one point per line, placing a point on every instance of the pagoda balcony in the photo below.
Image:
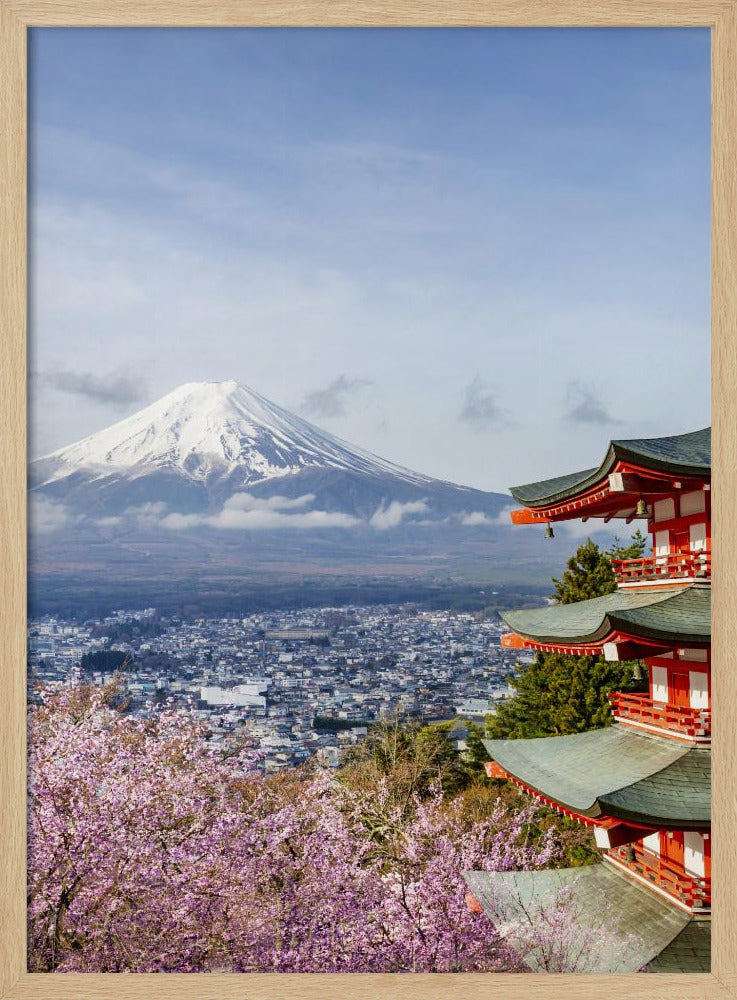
662	569
691	891
679	722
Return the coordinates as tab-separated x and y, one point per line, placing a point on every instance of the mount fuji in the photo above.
213	490
209	450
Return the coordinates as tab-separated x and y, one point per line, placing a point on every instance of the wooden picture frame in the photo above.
16	16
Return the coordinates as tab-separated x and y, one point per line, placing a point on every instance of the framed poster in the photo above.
400	230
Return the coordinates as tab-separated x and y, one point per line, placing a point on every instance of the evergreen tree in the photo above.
558	694
590	573
634	549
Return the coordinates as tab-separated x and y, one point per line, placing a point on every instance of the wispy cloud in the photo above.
245	512
332	401
480	408
146	515
391	515
46	516
118	389
476	518
584	407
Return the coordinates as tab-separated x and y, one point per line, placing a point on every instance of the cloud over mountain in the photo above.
332	401
118	389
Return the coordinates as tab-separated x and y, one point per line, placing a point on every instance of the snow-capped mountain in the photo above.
213	493
211	447
208	430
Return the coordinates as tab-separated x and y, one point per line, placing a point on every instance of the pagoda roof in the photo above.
672	616
681	455
689	952
639	927
614	772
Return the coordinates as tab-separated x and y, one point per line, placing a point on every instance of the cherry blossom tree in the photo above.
151	850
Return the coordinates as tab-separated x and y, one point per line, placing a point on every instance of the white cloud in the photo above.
148	515
259	520
108	522
245	512
46	516
246	501
474	518
180	522
391	516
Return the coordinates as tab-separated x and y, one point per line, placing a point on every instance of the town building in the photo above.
642	783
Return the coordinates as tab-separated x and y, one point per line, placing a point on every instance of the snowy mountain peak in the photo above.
205	430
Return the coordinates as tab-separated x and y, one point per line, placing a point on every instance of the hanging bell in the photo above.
549	530
641	508
637	671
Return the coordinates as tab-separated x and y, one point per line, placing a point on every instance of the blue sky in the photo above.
479	253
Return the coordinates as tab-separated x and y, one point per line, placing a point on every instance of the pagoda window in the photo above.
662	545
664	510
697	537
693	853
651	843
659	682
698	689
695	655
693	503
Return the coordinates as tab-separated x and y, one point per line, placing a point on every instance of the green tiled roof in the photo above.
682	615
690	951
681	791
616	772
681	454
639	927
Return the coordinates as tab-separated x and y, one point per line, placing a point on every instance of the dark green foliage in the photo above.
476	754
590	573
329	724
634	549
105	660
558	694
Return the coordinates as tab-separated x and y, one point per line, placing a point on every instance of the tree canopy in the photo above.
558	694
150	850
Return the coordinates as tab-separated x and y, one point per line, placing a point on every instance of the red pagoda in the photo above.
642	783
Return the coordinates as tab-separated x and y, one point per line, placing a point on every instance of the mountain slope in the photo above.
205	430
195	448
213	492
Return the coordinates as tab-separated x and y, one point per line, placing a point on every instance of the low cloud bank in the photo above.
246	512
477	518
46	516
392	515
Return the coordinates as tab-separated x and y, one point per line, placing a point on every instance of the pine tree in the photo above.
558	694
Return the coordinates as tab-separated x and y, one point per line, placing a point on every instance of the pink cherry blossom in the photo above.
150	850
